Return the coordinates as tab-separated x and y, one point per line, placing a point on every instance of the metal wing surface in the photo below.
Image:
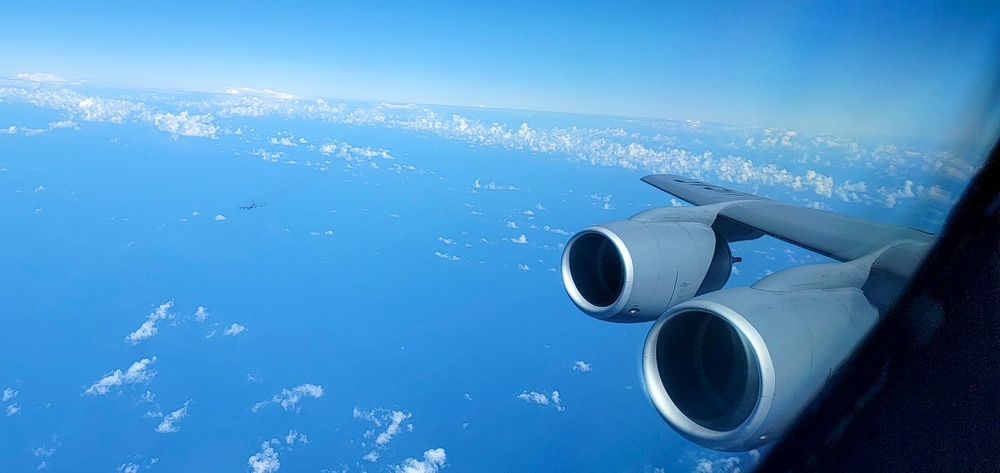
840	237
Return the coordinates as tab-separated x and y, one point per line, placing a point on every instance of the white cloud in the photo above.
581	365
184	124
220	217
234	329
434	460
148	328
8	394
294	435
542	399
557	231
201	314
266	460
529	212
13	409
284	141
39	77
447	241
521	240
722	465
195	214
138	372
371	456
523	267
128	467
493	186
512	224
171	421
289	399
390	419
447	256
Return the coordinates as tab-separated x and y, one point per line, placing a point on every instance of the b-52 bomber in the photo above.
253	205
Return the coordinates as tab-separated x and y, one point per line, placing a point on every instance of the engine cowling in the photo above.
731	370
631	271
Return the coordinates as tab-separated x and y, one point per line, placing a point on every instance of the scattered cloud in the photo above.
138	372
185	124
434	460
201	314
128	467
234	329
521	240
581	365
447	256
148	328
534	397
220	217
523	267
511	224
390	419
289	399
266	460
171	421
8	394
39	77
13	409
295	436
447	241
493	186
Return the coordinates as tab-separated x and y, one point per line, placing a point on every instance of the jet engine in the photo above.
731	369
632	270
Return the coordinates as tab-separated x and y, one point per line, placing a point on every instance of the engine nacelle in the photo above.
633	270
731	370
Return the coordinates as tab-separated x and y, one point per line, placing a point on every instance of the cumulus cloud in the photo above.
511	224
234	329
390	419
138	372
13	409
542	399
732	464
220	217
148	328
557	231
493	186
201	314
8	394
171	422
289	399
283	141
581	365
434	460
447	241
295	436
266	460
447	256
184	124
523	267
521	240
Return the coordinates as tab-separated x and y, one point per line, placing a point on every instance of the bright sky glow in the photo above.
858	67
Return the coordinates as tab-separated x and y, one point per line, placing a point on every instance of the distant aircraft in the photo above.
731	369
253	205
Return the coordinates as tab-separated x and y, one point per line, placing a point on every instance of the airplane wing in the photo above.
840	237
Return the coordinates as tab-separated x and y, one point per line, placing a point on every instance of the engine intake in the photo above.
631	271
732	369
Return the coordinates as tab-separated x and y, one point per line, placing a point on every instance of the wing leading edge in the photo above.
837	236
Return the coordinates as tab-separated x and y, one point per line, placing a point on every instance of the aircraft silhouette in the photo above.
253	205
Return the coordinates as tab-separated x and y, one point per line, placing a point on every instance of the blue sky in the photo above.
854	67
